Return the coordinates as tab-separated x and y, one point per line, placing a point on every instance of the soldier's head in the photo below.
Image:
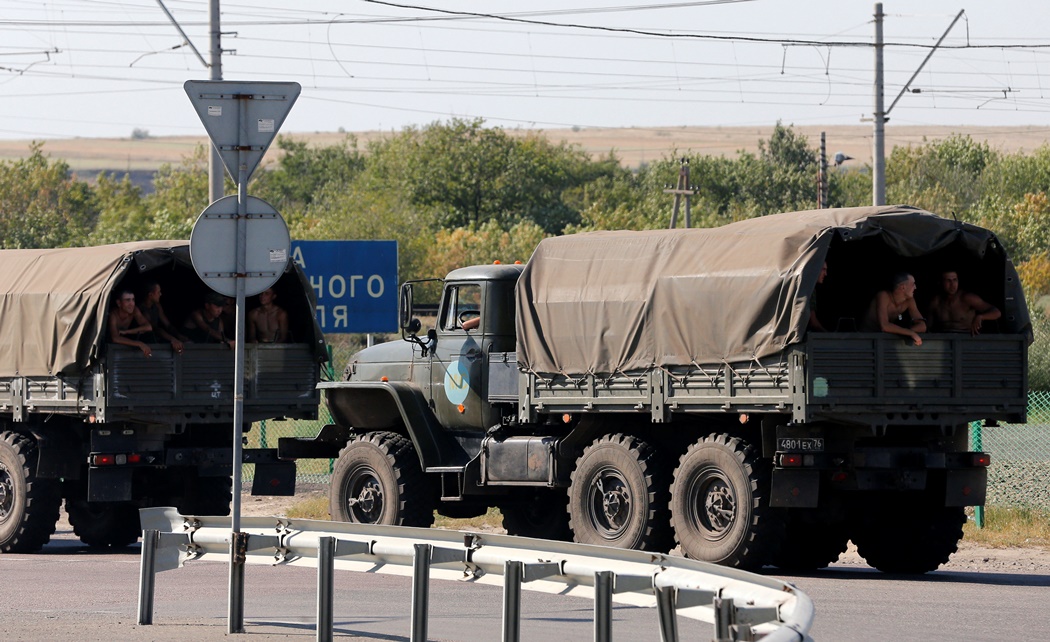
151	292
904	283
950	282
213	302
125	301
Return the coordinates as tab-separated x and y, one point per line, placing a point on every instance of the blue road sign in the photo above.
355	283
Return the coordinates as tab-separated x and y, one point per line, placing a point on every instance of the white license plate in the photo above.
804	444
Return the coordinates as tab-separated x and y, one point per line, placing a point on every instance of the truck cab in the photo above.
475	319
439	381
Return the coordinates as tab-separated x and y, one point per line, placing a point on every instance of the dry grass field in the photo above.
633	145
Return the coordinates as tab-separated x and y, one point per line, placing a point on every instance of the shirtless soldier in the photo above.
954	310
267	323
127	321
894	310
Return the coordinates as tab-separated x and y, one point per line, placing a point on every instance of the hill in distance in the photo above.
633	146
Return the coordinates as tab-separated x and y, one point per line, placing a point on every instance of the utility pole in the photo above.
215	168
822	174
878	186
215	173
682	189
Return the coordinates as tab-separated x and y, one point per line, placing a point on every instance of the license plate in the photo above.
804	444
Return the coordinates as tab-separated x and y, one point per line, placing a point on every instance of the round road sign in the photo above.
213	246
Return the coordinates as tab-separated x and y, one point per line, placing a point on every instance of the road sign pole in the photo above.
242	119
236	608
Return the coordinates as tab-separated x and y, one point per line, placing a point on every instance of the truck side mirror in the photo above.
413	326
405	310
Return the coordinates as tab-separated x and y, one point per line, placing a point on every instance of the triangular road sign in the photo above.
241	116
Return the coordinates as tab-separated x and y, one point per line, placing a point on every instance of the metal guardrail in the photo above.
739	605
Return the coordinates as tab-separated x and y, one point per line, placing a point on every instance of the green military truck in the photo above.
638	389
109	430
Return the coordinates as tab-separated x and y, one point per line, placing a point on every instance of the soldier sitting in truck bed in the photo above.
154	313
205	325
268	323
894	310
124	316
955	310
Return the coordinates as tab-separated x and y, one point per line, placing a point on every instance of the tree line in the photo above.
458	192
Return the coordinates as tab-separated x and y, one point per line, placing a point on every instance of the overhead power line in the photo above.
696	36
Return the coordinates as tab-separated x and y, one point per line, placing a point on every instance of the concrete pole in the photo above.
878	186
216	173
822	174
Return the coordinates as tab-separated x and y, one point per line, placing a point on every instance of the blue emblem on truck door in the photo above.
457	381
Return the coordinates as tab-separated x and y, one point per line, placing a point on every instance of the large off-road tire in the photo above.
813	538
377	480
28	505
104	524
902	535
542	515
206	496
618	496
720	504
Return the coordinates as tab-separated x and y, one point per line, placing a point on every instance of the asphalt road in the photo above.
69	592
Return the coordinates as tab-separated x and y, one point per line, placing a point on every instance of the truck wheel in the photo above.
104	524
813	539
377	480
911	539
720	504
542	515
28	505
617	497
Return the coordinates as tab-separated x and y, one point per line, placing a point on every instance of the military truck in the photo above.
110	430
642	389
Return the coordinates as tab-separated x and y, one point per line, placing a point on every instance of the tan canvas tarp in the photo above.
53	302
605	302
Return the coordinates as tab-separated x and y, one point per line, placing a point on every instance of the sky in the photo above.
105	68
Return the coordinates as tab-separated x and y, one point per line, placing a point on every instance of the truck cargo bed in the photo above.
855	377
195	386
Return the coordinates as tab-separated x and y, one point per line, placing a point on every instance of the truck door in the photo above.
457	379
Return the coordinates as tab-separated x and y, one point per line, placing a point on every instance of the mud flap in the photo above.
109	485
795	488
966	487
274	479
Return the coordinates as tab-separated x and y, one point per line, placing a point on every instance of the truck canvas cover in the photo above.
54	302
607	302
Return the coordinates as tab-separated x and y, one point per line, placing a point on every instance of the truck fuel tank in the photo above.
523	460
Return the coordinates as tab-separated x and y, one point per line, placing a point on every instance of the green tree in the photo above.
1024	228
303	172
360	211
482	245
942	176
469	174
180	195
121	211
42	204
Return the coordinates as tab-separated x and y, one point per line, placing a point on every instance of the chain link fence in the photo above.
265	434
1020	456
